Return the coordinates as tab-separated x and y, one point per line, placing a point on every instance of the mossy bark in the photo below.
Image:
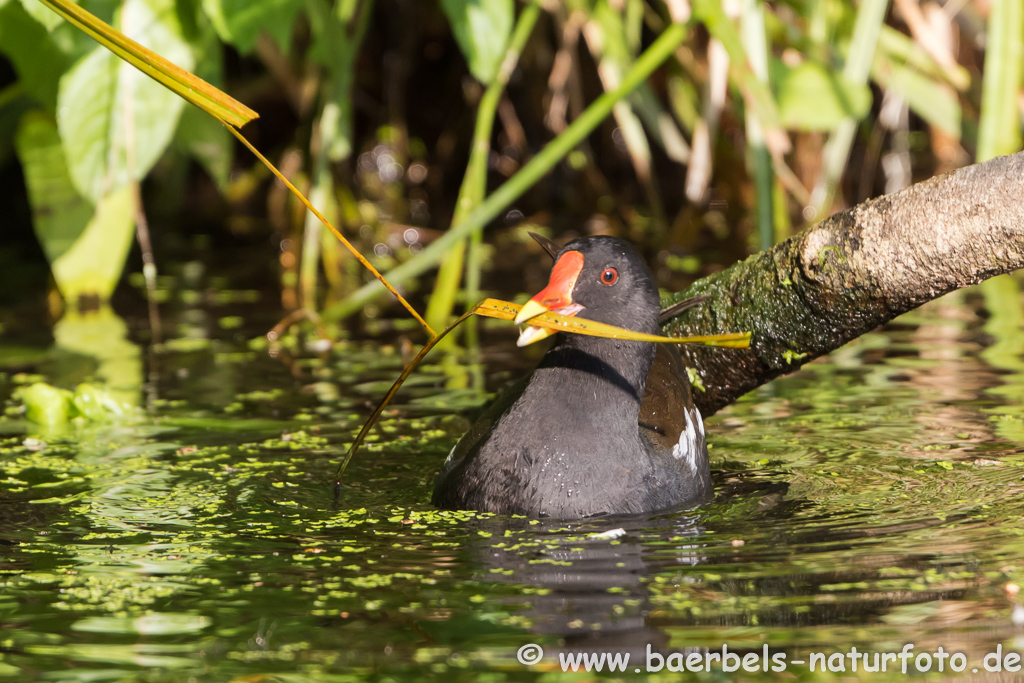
853	272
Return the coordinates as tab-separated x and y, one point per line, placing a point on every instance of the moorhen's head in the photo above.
599	278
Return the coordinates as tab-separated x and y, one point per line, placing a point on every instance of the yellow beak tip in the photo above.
531	309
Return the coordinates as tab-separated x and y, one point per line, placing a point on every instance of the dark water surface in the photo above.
872	500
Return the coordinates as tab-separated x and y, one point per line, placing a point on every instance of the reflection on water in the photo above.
872	500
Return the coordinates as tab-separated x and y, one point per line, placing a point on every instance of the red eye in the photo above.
609	276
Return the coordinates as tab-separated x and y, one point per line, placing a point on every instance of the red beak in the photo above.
556	297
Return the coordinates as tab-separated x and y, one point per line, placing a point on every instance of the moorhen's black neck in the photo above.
592	385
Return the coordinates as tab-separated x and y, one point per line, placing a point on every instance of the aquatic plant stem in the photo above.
474	184
391	392
528	175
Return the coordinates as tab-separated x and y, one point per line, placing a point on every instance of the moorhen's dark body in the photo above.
602	425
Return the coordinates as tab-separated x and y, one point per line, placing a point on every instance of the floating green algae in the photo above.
870	500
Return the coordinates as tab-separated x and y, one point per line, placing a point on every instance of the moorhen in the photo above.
602	426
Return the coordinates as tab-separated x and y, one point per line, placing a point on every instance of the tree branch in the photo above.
853	272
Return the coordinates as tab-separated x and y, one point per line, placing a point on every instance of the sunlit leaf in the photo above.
482	29
98	93
901	49
86	245
812	97
97	404
93	264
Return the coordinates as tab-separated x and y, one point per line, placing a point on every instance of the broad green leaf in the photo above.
811	97
53	407
86	245
932	100
93	264
239	22
37	59
482	29
96	404
98	94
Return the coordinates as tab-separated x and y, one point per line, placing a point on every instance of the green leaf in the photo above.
482	29
60	214
811	97
37	59
239	22
98	93
46	405
93	264
934	101
86	245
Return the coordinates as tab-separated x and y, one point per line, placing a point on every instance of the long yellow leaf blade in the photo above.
192	88
505	310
